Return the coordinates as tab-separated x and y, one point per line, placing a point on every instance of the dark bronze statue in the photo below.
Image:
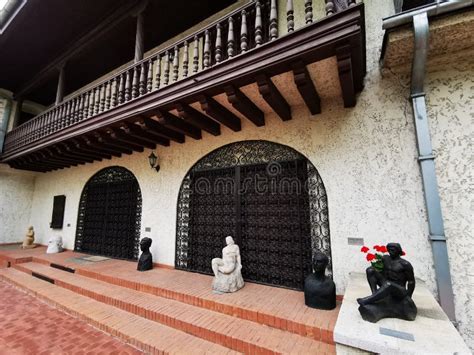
319	289
146	260
392	289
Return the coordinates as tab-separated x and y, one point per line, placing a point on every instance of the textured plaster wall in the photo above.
16	195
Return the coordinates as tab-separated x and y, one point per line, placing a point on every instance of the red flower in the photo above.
364	249
376	247
382	249
370	257
403	253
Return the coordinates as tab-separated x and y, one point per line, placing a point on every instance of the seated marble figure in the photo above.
392	289
319	289
227	271
146	259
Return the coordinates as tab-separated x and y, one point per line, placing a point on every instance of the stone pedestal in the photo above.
232	282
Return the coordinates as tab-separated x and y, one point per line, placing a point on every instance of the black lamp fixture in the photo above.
153	160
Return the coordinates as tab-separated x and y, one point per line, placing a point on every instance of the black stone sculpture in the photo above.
391	289
146	260
319	289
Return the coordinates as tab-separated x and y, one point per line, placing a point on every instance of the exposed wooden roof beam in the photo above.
177	124
82	148
129	8
131	142
141	133
273	97
346	75
198	119
109	143
94	144
160	130
306	88
219	113
244	105
65	151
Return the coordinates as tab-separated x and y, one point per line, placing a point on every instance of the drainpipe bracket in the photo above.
426	157
418	94
437	238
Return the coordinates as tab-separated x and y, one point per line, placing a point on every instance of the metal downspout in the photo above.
4	122
427	166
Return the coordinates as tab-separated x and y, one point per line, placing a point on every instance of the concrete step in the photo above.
235	333
272	306
142	333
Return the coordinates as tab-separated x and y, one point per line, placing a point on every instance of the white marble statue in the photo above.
228	270
55	245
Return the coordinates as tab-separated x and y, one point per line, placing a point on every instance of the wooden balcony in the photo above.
175	93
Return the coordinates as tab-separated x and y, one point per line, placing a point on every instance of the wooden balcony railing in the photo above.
241	31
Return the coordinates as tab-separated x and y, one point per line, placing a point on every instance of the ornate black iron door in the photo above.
269	197
109	215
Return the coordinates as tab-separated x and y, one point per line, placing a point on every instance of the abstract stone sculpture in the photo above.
29	239
55	245
228	270
319	289
146	259
392	289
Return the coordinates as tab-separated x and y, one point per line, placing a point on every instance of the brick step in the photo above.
235	333
275	307
142	333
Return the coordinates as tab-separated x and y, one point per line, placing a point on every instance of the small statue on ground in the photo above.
146	260
29	239
228	270
55	245
392	289
319	289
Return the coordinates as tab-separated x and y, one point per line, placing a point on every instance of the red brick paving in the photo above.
28	326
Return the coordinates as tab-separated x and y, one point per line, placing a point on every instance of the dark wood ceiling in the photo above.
46	28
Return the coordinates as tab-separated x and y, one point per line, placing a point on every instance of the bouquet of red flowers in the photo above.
375	258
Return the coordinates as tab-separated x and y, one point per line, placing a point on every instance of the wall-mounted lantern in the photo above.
153	160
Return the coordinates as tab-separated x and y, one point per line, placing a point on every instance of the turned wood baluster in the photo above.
290	16
82	101
102	90
308	10
330	9
108	95
135	82
73	115
273	20
185	59
207	50
230	38
175	63
142	84
149	76
66	114
121	86
196	55
166	69
158	72
351	3
218	43
97	100
127	86
93	99
258	24
113	99
244	33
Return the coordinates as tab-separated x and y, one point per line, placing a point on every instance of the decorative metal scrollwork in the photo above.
109	217
269	197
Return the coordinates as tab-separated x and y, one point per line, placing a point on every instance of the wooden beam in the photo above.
141	133
123	138
49	155
84	149
273	97
16	165
38	160
109	143
198	119
158	129
74	151
244	105
106	25
94	144
177	124
65	151
60	87
27	164
306	87
219	113
346	75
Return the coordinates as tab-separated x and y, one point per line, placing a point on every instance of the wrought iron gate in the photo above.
109	215
268	197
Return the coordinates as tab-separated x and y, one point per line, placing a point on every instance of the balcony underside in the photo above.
323	59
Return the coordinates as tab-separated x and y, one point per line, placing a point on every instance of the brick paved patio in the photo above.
29	326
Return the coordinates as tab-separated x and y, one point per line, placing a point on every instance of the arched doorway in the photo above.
109	217
269	197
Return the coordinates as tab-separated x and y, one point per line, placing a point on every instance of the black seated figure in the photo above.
146	260
319	289
392	289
